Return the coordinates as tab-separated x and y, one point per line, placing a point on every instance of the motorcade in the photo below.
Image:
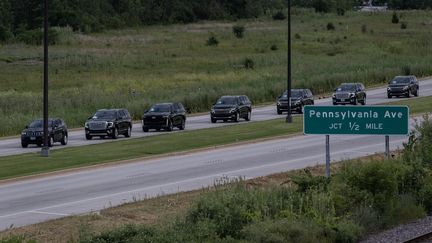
33	133
349	93
299	98
231	107
109	123
164	116
403	86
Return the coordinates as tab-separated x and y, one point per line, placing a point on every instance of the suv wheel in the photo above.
416	93
279	112
407	94
115	133
88	137
24	145
182	125
50	141
354	102
145	129
237	117
389	96
213	120
170	126
64	139
249	115
363	101
128	132
300	109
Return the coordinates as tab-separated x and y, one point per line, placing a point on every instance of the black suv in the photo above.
231	108
33	133
350	93
403	85
164	116
299	98
109	122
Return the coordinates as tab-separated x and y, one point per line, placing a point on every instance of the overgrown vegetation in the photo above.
361	198
134	68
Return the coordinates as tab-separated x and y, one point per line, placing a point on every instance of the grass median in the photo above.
30	164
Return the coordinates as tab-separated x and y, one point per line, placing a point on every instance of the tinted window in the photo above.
400	80
227	101
161	108
347	87
107	114
39	123
295	93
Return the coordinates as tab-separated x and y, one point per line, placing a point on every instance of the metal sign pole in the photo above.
45	149
328	156
387	147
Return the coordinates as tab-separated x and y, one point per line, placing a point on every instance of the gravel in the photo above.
403	233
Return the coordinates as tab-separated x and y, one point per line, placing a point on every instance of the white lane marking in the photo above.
42	212
193	179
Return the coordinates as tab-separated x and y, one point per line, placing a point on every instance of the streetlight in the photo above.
289	117
45	148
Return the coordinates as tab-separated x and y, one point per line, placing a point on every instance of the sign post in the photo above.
355	120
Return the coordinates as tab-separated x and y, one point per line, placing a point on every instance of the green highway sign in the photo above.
372	120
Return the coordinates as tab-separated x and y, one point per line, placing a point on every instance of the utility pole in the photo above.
289	117
45	148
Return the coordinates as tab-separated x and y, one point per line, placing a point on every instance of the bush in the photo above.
238	31
404	25
35	37
274	47
279	16
297	36
249	63
212	41
330	26
419	145
364	28
395	18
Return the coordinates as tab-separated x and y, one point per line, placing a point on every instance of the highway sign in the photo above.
371	120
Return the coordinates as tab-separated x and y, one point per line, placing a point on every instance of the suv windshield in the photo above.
294	93
39	124
400	80
346	87
227	101
105	115
160	108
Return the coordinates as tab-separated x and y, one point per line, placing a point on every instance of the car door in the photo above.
120	120
57	130
174	114
310	97
243	106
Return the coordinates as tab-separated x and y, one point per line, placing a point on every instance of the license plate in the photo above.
32	138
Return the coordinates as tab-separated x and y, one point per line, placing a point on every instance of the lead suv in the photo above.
109	122
164	116
33	133
231	108
403	85
299	98
350	93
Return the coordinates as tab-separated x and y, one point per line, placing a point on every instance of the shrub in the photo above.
404	25
364	28
212	41
238	31
395	18
419	145
297	36
330	26
35	37
248	63
279	16
274	47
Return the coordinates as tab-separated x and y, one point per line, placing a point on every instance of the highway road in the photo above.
35	200
77	138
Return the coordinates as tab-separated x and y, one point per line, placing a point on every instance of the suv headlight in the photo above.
232	110
278	103
110	124
86	125
388	88
23	133
406	87
351	94
334	96
212	110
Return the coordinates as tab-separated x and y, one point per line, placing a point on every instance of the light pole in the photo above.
45	148
289	117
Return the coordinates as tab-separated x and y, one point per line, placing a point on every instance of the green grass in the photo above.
416	106
134	68
30	164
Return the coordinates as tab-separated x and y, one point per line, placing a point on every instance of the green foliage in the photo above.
330	26
364	28
419	145
35	37
212	41
248	63
395	18
404	25
279	15
274	47
238	31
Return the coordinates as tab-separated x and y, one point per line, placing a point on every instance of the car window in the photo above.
161	108
181	108
105	114
227	101
346	87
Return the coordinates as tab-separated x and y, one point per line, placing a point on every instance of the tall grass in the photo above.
134	68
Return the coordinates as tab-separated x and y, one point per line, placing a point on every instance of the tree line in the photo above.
22	19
